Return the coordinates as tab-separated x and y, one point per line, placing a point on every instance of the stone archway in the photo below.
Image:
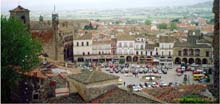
191	61
198	61
204	61
128	58
184	60
135	58
177	60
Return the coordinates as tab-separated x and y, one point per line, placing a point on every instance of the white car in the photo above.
135	88
183	68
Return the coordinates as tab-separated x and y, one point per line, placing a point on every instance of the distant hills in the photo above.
203	9
207	4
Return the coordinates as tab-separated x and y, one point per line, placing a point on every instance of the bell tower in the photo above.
21	14
55	23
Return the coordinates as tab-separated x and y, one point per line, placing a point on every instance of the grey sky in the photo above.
7	5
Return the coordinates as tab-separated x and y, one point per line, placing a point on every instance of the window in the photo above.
179	53
197	52
141	53
162	53
83	53
142	47
151	53
82	44
207	53
99	53
130	45
146	52
87	43
136	52
77	44
169	53
125	44
88	53
119	44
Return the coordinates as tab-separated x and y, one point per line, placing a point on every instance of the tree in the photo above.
162	26
148	22
19	53
173	26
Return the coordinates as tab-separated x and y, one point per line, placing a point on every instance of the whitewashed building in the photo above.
166	44
82	46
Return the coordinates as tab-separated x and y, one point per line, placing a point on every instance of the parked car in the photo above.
183	68
127	65
188	68
155	85
122	70
126	70
145	70
164	71
136	88
107	69
159	71
163	84
141	70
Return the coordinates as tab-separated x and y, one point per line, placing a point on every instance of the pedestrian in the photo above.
124	83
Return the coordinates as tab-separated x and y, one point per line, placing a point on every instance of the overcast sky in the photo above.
7	5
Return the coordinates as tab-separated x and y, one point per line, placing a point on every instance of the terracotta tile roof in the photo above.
19	9
87	77
36	73
44	36
118	95
169	94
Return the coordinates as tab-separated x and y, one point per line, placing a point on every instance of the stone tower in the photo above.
21	14
55	23
41	18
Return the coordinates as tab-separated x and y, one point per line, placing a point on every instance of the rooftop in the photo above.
19	9
86	36
72	98
169	94
151	46
125	37
190	45
88	77
166	39
118	95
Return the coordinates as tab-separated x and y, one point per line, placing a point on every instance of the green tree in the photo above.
148	22
162	26
173	26
19	53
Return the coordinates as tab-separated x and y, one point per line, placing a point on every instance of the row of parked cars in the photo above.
152	85
135	69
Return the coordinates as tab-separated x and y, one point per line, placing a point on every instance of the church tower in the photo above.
21	14
55	23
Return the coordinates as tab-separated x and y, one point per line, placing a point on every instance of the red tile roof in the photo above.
169	94
36	73
43	36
